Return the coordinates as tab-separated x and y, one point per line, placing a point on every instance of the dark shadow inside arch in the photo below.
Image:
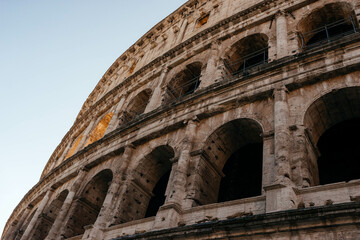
329	23
243	174
158	198
249	52
88	205
136	106
146	192
234	152
340	155
184	83
333	123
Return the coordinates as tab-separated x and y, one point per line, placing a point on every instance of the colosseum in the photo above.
229	119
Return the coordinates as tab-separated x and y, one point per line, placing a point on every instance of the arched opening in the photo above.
88	205
136	106
234	150
326	24
74	146
249	52
333	122
48	217
100	128
147	192
185	82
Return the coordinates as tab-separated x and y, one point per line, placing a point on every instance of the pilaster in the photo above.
155	100
40	209
282	137
58	225
281	35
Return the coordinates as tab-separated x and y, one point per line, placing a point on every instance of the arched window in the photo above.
48	217
146	193
334	126
100	129
249	52
184	83
234	150
88	205
136	106
331	22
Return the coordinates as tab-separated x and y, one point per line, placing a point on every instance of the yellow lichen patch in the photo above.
100	129
73	147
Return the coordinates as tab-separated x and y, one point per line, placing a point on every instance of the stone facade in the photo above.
227	120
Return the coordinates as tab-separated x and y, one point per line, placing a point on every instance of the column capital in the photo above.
279	93
281	13
215	45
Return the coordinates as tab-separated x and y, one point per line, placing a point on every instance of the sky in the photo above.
52	54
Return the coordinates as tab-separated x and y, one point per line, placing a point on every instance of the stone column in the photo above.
39	210
58	225
155	100
300	159
119	182
281	35
115	118
180	175
182	31
67	148
212	72
86	135
268	159
282	136
169	214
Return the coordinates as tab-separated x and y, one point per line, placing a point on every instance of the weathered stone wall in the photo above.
201	86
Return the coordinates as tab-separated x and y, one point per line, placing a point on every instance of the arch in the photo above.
330	22
185	82
87	206
100	129
333	123
48	216
146	193
233	162
248	52
136	106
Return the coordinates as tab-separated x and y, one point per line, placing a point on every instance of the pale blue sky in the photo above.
52	54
